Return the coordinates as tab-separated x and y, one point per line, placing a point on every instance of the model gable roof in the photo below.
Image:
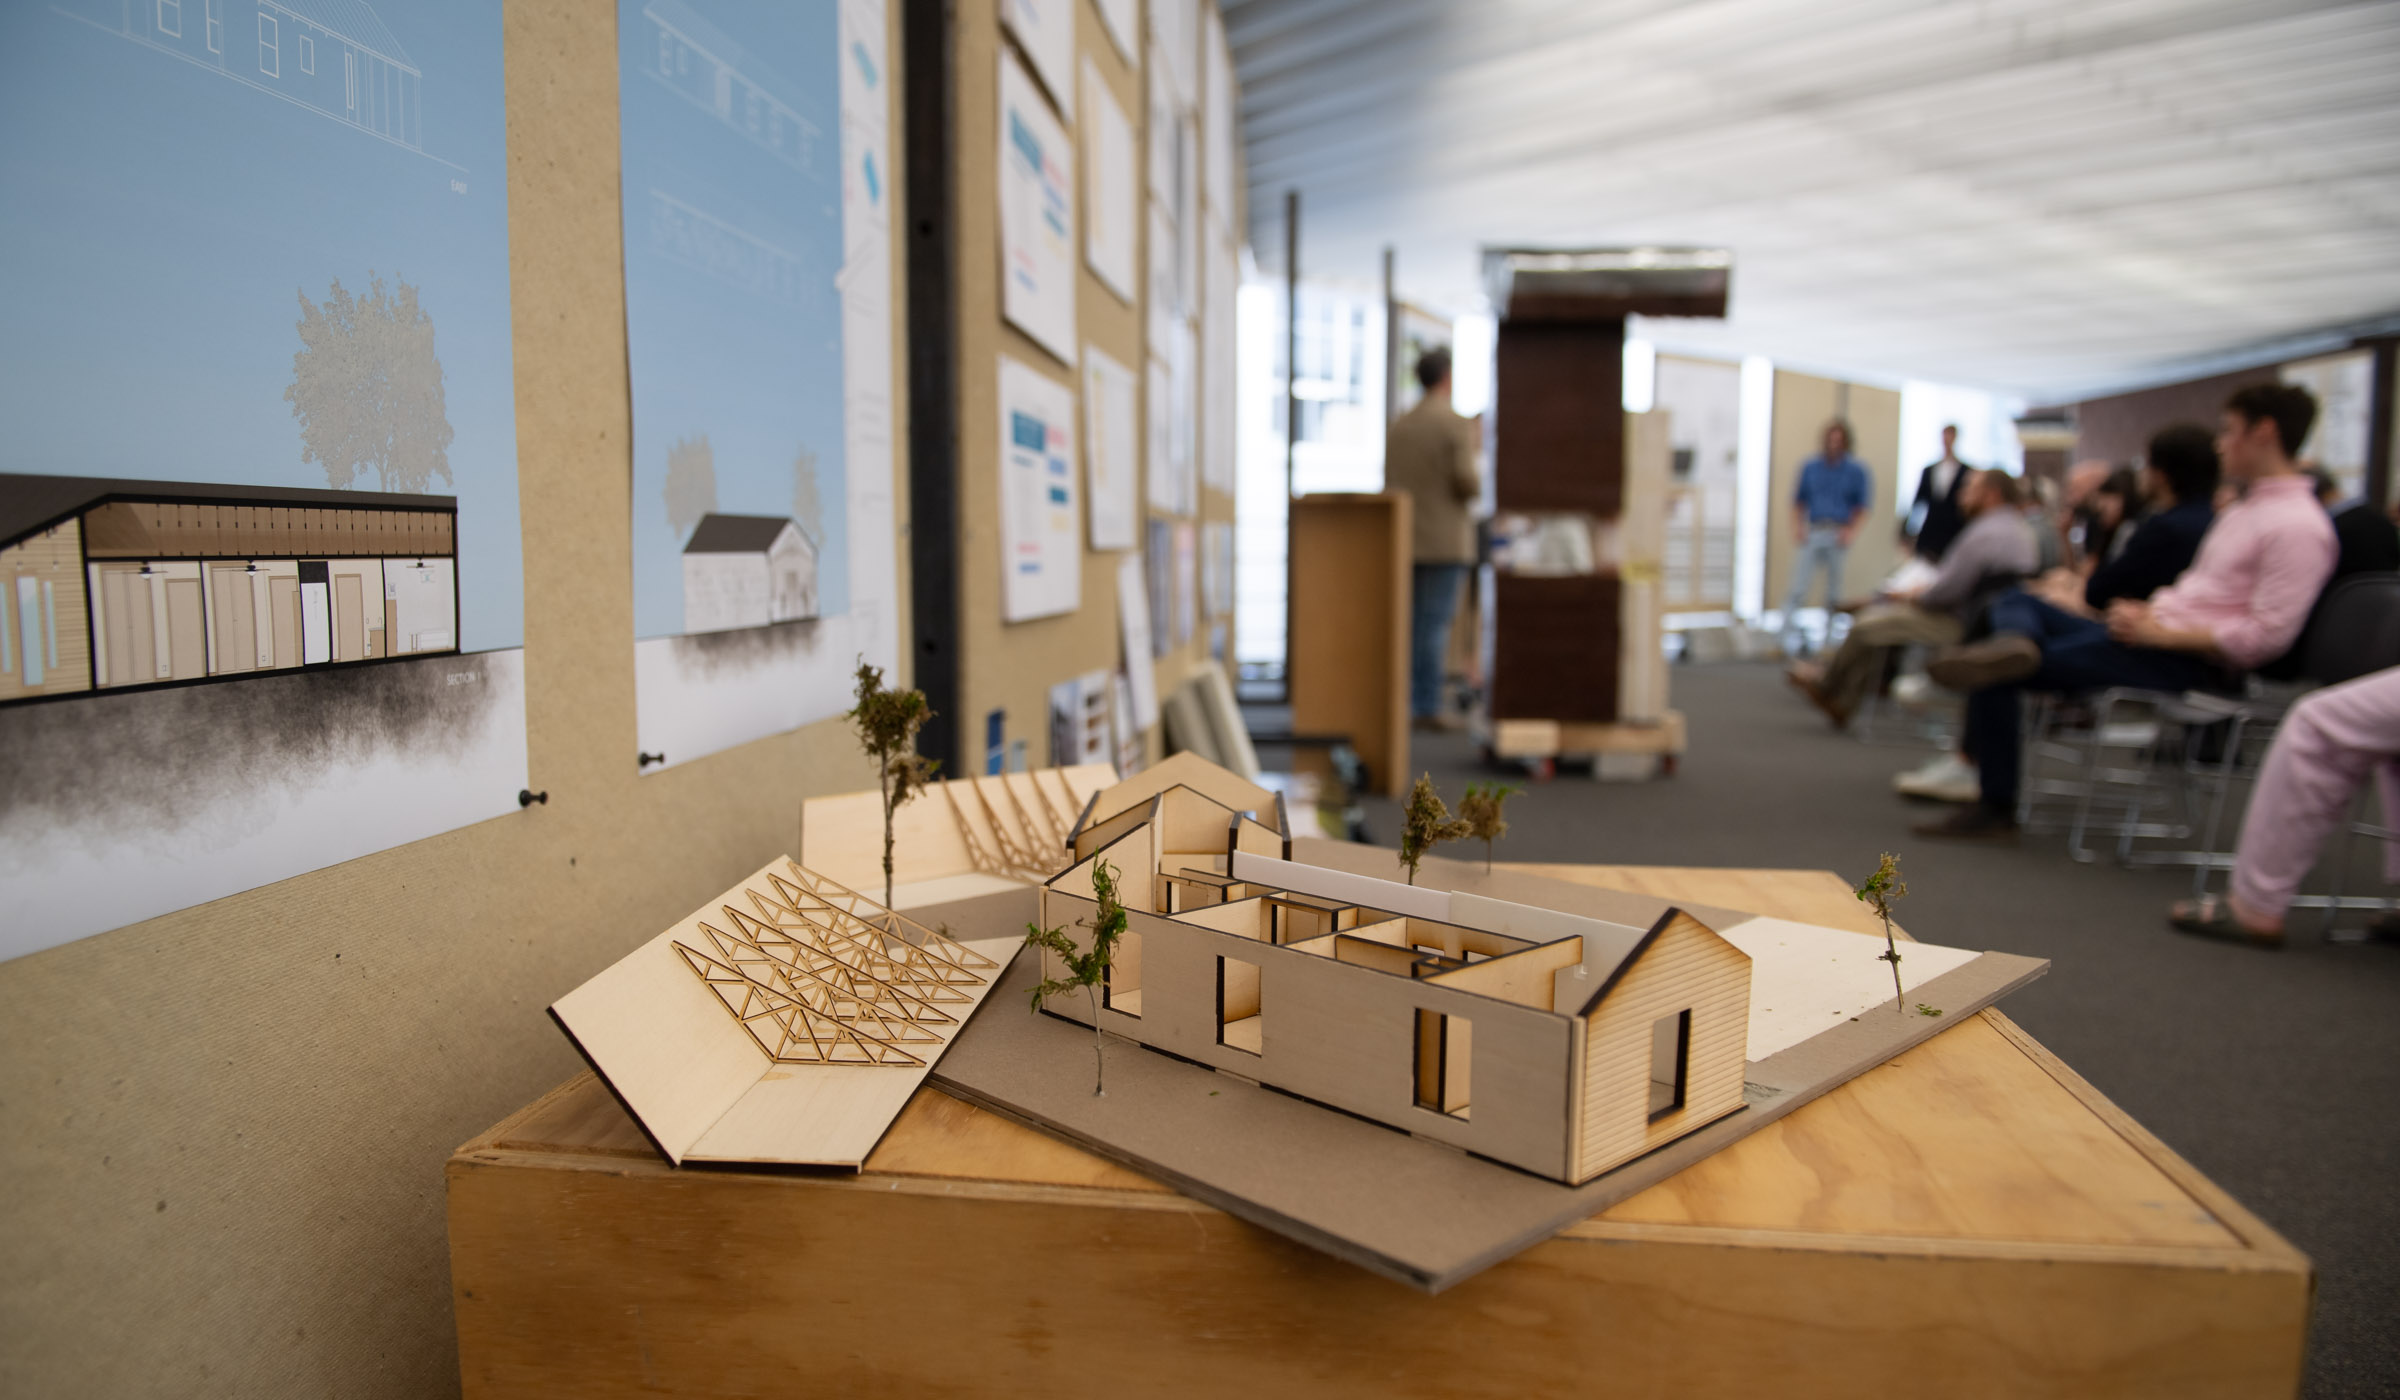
738	534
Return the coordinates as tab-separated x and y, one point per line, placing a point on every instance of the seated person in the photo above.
2105	522
2325	749
2178	481
1996	544
2249	589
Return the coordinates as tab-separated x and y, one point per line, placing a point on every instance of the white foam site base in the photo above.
1805	978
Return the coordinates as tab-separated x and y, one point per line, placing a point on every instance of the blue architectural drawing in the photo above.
334	57
733	243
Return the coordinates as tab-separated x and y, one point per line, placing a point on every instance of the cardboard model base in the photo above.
1412	1210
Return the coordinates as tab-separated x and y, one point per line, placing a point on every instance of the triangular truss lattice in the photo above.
819	974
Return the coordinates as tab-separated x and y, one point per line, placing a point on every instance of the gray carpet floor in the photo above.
2276	1073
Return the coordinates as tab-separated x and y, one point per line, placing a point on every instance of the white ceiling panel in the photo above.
2039	197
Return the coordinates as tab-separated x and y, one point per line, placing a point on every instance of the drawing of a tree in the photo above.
691	483
367	389
808	503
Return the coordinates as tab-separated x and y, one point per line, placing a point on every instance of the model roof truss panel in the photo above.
788	1020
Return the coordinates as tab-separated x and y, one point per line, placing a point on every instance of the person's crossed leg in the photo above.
2039	647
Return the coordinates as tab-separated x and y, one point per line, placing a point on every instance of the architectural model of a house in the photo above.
1561	1045
106	584
747	571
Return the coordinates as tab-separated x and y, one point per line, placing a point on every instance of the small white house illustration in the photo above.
747	571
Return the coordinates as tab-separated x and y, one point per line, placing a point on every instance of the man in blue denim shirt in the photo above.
1832	499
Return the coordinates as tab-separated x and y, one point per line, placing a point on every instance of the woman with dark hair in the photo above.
2105	521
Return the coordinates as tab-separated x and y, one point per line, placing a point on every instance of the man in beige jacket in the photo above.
1430	454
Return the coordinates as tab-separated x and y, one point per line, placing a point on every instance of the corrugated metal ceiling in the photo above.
2041	197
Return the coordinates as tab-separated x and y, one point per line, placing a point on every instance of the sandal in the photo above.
2212	917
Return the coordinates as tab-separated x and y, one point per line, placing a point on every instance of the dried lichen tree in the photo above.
1480	809
1426	824
888	721
1881	888
1087	969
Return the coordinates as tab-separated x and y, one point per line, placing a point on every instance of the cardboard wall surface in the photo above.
1804	404
229	1124
1011	666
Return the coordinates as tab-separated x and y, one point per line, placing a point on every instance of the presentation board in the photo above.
758	321
261	571
1041	537
1111	445
1112	191
1037	215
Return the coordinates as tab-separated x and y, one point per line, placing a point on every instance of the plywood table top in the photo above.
1978	1148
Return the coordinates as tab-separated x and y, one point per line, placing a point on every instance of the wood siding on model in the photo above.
1686	967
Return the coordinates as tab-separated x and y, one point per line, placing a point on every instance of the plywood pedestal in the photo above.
1971	1219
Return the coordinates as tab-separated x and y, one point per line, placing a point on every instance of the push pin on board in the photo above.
526	797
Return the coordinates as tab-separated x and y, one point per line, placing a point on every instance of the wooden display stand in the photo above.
1972	1218
1350	585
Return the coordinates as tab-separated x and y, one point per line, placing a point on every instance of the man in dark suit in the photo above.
1936	517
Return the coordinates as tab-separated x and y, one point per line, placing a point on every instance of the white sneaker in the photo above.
1948	778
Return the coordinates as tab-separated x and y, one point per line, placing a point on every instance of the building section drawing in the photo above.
116	584
333	57
748	571
1558	1044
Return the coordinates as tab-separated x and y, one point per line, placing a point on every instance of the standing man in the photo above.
1832	499
1430	454
1937	516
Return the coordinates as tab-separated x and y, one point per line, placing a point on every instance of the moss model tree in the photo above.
1425	824
888	721
1089	968
1881	888
1481	811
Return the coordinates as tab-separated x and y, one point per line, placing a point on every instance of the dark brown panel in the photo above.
1559	418
1554	648
1568	306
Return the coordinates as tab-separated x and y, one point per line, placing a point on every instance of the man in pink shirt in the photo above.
2240	604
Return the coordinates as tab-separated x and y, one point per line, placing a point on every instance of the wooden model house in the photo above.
1558	1044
